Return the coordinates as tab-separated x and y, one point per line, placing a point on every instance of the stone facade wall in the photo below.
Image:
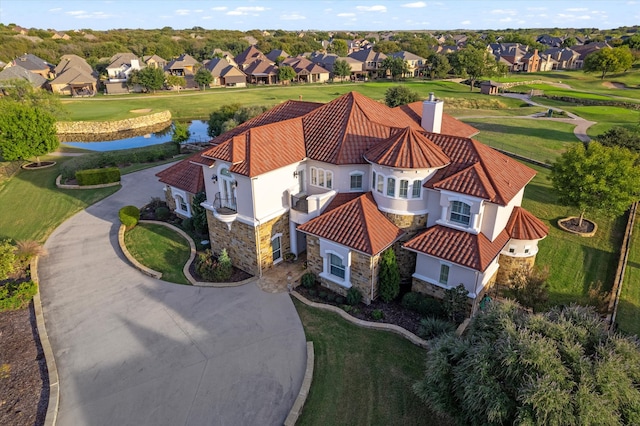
279	225
314	261
411	224
240	243
438	292
364	270
93	127
171	202
510	264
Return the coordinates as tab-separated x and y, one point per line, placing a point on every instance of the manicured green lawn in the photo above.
574	261
542	140
32	206
361	376
628	317
159	248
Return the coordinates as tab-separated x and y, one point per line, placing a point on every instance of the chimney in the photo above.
432	114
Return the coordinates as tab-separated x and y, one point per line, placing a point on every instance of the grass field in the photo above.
361	377
32	206
574	262
542	140
628	317
159	248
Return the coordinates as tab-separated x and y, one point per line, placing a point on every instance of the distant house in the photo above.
307	71
33	64
511	54
18	73
261	72
327	61
224	74
372	61
415	63
587	49
121	66
249	56
60	36
563	58
154	61
74	76
277	53
219	53
531	61
181	66
550	41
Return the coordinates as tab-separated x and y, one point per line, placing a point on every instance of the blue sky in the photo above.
319	14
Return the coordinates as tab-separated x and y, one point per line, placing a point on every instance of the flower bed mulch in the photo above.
236	276
393	312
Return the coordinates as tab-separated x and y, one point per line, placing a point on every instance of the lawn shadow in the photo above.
544	133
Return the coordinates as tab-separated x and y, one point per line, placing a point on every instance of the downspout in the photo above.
257	228
475	299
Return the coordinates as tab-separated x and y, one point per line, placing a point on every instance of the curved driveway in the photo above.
132	350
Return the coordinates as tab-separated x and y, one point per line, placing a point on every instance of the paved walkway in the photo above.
581	124
132	350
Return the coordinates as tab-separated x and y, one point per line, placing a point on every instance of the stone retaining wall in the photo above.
75	127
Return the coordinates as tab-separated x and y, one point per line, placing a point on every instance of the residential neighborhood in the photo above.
427	221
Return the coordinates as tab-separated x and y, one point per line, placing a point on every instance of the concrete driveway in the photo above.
132	350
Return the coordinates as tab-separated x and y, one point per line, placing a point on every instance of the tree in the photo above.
26	131
181	133
389	276
339	47
455	303
286	74
597	178
23	92
341	68
511	367
622	137
199	214
608	61
175	81
148	78
400	95
203	77
397	67
219	116
438	66
473	63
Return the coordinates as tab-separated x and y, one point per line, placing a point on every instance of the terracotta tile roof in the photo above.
184	175
342	198
357	123
408	149
459	247
263	148
523	225
357	224
450	125
491	175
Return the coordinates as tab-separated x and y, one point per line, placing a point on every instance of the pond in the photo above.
137	139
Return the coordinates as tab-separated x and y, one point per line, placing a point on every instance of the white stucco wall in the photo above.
521	248
495	217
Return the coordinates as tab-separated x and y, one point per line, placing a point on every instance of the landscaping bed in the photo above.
391	313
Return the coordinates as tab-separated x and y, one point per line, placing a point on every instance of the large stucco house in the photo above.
346	180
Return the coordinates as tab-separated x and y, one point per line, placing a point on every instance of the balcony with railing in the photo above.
304	207
225	209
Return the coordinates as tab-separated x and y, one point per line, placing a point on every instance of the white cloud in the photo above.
415	4
577	9
467	22
536	8
81	14
507	19
76	12
246	10
510	12
219	8
376	8
235	13
346	15
567	17
292	17
55	9
206	17
182	12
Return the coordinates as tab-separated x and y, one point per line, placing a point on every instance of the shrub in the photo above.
354	296
377	314
25	250
15	296
322	294
312	292
308	280
347	308
7	259
331	297
187	224
433	327
162	213
389	276
339	300
156	202
430	307
224	268
98	176
206	264
129	216
411	301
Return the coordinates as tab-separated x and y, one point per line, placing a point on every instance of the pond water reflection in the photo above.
133	138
